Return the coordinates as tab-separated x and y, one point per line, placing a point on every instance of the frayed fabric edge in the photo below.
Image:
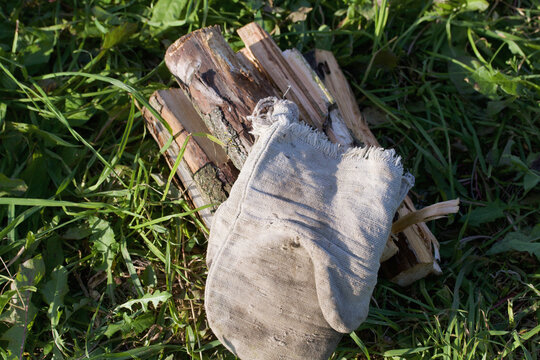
271	111
262	116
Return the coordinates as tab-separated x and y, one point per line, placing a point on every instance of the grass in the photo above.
101	258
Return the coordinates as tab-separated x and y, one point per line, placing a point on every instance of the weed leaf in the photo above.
9	186
22	312
128	325
103	241
5	298
167	11
149	277
517	241
491	212
105	244
118	35
477	5
156	298
530	180
54	292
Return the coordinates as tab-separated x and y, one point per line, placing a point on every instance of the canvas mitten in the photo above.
294	252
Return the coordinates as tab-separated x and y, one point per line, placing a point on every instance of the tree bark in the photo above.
220	86
205	170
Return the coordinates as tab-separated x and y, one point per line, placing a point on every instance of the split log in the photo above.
179	112
222	89
327	68
418	254
334	126
205	170
268	57
297	82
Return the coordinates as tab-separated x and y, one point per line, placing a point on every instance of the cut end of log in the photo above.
182	70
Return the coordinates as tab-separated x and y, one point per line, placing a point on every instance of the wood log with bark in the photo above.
220	88
204	169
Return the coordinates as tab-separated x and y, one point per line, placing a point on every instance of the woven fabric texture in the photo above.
294	252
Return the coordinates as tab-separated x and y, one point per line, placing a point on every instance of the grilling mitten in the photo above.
294	252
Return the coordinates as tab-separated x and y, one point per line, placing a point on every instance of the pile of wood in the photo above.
219	88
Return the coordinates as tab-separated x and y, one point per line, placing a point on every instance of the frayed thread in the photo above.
320	141
272	111
313	137
261	118
407	182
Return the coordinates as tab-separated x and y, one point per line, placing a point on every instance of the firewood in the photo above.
204	182
223	89
179	113
297	82
220	86
268	57
205	170
327	67
431	212
334	127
